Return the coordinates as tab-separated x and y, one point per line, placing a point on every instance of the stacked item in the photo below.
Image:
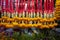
27	13
57	13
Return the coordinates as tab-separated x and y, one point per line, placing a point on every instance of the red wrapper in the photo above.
45	6
33	9
3	5
23	5
51	6
36	7
7	4
40	6
16	5
26	5
11	6
29	7
20	10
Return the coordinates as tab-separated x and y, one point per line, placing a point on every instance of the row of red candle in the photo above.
23	5
49	8
49	5
8	5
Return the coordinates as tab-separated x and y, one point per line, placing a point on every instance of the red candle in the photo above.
45	6
19	10
16	5
40	6
3	5
48	6
33	6
20	6
51	6
29	6
26	5
11	6
37	6
23	6
7	3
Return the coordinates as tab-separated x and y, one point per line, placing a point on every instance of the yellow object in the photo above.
3	24
57	13
9	26
4	17
10	19
14	23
